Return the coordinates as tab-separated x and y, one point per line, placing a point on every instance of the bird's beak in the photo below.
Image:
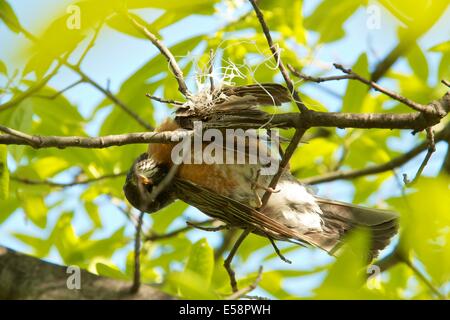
144	180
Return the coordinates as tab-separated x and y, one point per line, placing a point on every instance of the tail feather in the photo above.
339	218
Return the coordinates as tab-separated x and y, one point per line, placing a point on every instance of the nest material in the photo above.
231	103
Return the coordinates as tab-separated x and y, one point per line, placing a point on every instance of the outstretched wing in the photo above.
234	213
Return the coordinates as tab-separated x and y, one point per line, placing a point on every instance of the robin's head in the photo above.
143	177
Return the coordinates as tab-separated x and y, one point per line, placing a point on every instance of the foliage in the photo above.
184	265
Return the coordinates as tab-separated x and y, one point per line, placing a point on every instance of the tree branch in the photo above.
390	165
66	184
168	101
137	255
431	150
413	121
156	237
165	52
92	142
276	55
413	105
25	277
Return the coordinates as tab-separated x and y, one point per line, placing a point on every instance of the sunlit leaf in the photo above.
347	275
110	271
35	208
418	62
8	16
3	68
41	247
201	260
356	91
428	208
189	285
331	28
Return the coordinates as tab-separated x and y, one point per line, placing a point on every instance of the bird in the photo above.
232	192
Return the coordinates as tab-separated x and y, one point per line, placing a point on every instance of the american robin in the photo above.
232	192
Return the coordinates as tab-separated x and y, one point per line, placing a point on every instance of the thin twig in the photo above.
211	66
57	94
91	43
422	277
168	101
88	79
243	292
111	96
227	263
227	240
389	261
29	92
431	150
283	164
165	52
66	184
276	55
306	77
208	229
156	237
413	105
445	82
277	251
137	256
387	166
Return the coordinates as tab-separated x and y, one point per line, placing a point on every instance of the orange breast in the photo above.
214	177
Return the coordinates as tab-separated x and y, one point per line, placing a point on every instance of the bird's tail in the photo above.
339	218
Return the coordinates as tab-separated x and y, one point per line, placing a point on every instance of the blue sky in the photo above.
116	56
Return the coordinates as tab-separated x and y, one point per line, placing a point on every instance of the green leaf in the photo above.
4	173
164	217
7	207
444	67
418	62
347	275
328	18
3	68
19	118
93	213
356	91
425	221
41	247
443	47
110	271
192	7
8	16
49	166
121	24
35	208
201	261
189	285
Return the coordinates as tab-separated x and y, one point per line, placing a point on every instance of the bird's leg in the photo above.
227	262
209	229
256	185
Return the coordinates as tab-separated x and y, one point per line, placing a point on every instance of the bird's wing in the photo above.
234	213
232	100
